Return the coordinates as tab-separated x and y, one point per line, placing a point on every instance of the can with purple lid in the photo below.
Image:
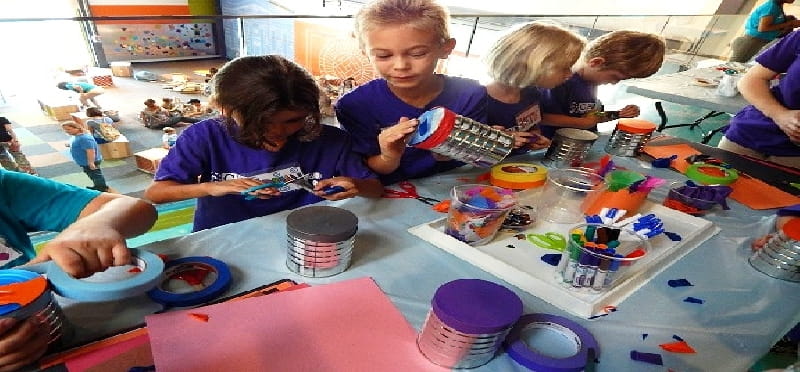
467	323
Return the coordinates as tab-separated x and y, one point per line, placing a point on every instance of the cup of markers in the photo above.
598	256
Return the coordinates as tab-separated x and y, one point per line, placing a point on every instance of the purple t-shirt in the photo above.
366	110
576	97
750	127
207	151
523	115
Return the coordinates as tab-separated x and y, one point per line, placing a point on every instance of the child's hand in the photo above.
629	111
392	140
21	342
346	183
539	141
85	248
237	185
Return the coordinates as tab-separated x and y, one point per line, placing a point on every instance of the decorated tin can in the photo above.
320	240
780	256
27	295
569	147
629	137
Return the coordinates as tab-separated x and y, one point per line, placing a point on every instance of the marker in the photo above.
591	270
612	271
589	233
581	270
602	271
572	265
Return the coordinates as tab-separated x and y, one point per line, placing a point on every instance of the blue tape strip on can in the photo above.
13	276
208	293
65	285
519	351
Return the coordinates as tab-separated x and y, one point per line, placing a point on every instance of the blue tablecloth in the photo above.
744	314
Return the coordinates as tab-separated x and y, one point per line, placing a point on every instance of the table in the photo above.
682	88
744	314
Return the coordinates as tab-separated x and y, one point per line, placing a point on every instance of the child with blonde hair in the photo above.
86	154
613	57
404	40
531	56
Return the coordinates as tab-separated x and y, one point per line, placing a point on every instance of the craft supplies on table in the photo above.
545	342
696	200
565	192
518	261
629	137
621	189
467	323
780	256
446	133
518	176
26	294
408	191
320	240
711	174
477	212
568	148
191	281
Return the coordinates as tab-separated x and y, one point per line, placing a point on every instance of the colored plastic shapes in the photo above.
678	283
650	358
678	347
693	300
551	258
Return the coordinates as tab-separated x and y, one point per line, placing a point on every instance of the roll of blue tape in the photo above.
518	349
220	284
63	284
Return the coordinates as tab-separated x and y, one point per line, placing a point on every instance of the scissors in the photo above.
409	192
551	240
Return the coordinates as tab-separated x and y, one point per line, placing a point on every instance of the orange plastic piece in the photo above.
135	270
491	194
637	126
678	347
637	253
199	317
443	206
792	229
22	293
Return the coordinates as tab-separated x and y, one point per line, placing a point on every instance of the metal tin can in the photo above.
629	137
467	323
320	240
461	138
780	256
569	147
28	295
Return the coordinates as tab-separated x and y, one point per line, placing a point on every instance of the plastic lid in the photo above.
322	224
639	126
577	134
20	288
792	229
475	306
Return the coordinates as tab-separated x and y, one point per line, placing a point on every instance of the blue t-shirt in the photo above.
750	127
84	85
206	150
371	107
576	97
522	116
78	147
29	204
770	8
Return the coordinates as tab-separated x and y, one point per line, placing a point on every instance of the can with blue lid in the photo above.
467	323
26	294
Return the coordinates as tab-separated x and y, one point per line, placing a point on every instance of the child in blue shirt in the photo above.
404	41
765	23
93	227
532	56
613	57
269	131
86	154
86	92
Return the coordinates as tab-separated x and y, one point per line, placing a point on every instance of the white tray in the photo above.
522	265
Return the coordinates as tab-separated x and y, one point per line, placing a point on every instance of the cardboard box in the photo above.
57	109
121	69
121	148
148	160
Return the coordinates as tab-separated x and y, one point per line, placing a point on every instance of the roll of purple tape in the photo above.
518	349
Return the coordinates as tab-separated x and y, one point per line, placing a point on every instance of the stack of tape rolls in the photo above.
25	294
117	282
551	343
518	176
711	174
191	281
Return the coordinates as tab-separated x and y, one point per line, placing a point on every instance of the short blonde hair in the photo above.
636	54
530	51
72	124
425	15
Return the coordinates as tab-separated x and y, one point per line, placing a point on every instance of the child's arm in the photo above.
559	120
90	156
368	188
392	142
169	191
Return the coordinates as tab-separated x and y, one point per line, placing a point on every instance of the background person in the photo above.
765	23
86	91
11	155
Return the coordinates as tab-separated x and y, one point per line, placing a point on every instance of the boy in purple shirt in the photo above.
404	44
270	132
769	128
615	56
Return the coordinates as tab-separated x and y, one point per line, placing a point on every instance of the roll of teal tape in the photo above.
707	174
87	290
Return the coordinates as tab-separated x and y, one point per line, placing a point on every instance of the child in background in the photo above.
169	137
95	121
86	92
11	156
156	117
404	40
86	154
270	131
168	104
195	109
535	55
613	57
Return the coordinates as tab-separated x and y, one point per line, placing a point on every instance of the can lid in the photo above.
322	224
792	229
577	134
638	126
476	306
19	288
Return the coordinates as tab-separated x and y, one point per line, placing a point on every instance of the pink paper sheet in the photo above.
344	326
